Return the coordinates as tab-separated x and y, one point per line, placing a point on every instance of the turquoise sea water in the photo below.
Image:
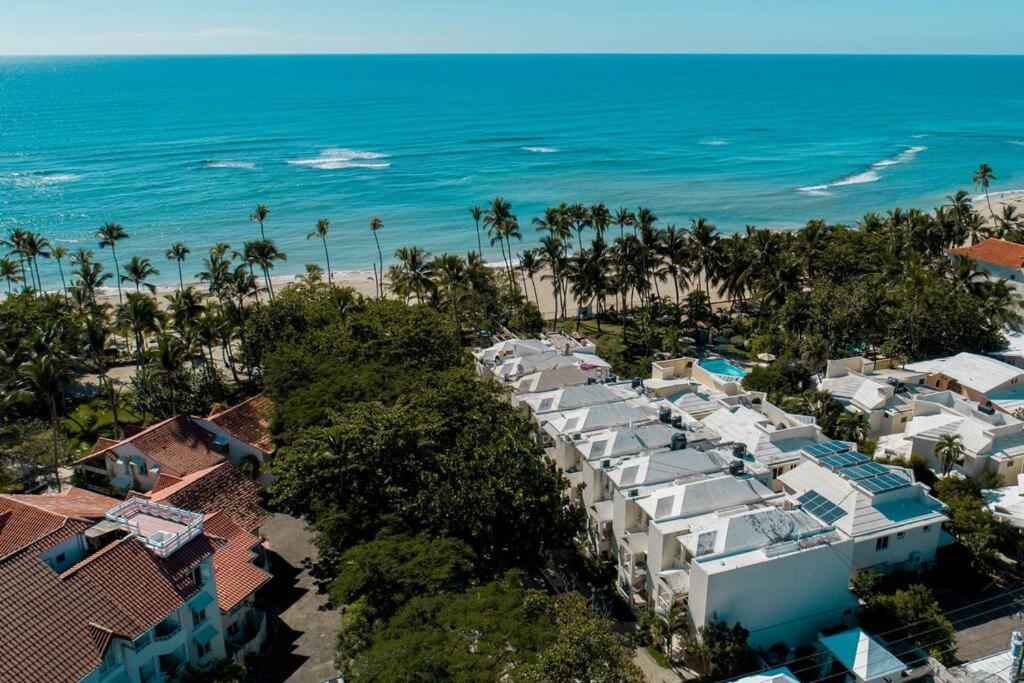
183	148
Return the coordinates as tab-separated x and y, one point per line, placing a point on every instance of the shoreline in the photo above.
362	281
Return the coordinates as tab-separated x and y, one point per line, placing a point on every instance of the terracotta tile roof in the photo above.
102	445
221	488
56	627
71	502
236	575
178	444
21	525
249	421
995	251
163	481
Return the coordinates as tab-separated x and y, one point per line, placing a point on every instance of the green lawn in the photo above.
658	656
93	419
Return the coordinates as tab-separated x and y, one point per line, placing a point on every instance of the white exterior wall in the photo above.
901	552
787	598
130	663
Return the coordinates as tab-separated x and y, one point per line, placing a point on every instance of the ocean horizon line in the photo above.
506	53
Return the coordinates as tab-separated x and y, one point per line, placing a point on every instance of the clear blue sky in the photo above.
265	26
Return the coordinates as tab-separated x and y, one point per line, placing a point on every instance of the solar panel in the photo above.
868	469
819	450
884	482
821	507
843	460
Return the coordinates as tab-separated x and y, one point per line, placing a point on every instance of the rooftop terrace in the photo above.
161	528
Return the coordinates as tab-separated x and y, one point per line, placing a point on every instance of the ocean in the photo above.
183	148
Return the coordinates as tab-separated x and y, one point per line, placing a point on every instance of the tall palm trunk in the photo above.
327	257
380	257
181	279
54	426
117	274
63	282
479	242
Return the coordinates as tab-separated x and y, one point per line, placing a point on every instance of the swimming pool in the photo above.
721	366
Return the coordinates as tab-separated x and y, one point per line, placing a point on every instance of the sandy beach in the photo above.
362	280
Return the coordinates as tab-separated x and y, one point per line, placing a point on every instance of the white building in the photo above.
992	440
771	440
988	381
780	573
893	522
883	397
513	360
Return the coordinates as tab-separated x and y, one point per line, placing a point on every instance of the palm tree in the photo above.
983	177
502	225
140	314
949	449
852	427
33	246
10	270
137	271
178	252
531	264
263	254
976	228
90	276
452	279
16	243
600	219
323	226
185	307
58	253
412	275
674	248
624	217
704	243
258	216
375	225
477	213
48	378
109	235
314	274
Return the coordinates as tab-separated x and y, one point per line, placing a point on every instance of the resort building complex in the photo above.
700	491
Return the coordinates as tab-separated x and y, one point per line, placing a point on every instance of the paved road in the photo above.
301	649
983	622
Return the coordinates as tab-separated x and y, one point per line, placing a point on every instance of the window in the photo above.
900	535
59	559
202	650
777	472
199	616
142	468
926	529
196	574
233	629
881	543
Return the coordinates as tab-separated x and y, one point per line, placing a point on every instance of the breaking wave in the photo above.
871	175
540	150
247	165
36	178
337	158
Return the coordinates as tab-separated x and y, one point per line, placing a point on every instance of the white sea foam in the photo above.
869	176
338	158
247	165
29	179
540	150
714	143
1019	143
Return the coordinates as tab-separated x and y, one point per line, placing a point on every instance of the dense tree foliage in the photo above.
497	631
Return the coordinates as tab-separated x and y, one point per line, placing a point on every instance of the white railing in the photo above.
162	542
254	644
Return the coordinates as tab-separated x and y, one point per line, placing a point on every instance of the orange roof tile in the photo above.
236	576
994	251
102	445
177	444
21	525
56	627
221	488
71	502
249	421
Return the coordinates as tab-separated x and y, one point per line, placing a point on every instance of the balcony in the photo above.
167	628
250	638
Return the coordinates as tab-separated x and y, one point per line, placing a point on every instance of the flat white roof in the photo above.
980	373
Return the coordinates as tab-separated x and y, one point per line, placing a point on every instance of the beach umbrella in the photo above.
766	357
